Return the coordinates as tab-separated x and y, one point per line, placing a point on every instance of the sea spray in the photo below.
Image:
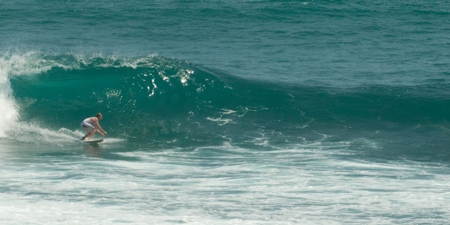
8	108
17	65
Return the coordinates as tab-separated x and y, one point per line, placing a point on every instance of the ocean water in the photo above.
225	112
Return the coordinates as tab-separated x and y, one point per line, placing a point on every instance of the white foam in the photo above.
222	121
8	110
236	186
113	140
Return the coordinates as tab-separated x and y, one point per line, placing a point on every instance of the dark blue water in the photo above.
225	112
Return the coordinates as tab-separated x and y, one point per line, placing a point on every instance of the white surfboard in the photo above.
93	141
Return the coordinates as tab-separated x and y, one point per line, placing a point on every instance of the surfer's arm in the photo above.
99	128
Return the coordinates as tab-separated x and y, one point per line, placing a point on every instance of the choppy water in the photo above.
225	112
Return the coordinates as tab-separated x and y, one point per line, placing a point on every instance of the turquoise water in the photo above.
225	112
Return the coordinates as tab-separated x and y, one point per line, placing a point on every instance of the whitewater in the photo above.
225	112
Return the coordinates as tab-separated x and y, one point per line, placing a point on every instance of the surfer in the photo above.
91	125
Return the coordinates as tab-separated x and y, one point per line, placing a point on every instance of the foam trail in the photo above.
32	133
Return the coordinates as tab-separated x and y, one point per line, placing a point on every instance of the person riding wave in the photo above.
91	125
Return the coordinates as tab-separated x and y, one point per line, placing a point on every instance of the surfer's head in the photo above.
99	116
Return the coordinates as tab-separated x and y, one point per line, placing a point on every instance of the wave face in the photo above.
158	100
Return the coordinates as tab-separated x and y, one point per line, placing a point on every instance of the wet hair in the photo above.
98	115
